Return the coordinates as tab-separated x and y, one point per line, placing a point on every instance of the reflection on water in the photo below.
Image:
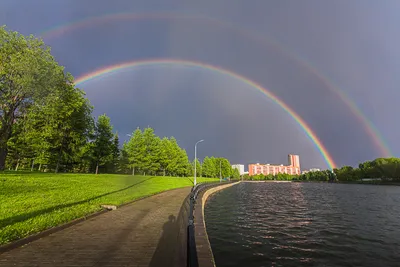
305	224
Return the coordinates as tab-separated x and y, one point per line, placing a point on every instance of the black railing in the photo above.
192	260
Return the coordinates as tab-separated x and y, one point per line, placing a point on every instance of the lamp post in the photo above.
195	159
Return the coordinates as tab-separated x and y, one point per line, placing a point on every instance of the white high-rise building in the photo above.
240	167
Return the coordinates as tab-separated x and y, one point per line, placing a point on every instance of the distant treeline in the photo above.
46	123
386	169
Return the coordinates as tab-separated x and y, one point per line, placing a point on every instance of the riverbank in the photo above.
337	182
369	182
267	181
203	247
353	182
32	203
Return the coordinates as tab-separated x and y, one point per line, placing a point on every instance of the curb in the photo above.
23	241
203	246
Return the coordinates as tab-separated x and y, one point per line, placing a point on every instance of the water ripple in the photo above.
292	224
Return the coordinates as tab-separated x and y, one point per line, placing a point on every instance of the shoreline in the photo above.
203	246
337	182
267	181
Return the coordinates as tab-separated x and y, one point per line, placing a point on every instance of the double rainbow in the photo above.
368	125
159	62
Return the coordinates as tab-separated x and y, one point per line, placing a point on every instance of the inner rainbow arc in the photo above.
370	128
157	62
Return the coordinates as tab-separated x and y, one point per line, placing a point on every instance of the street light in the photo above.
195	159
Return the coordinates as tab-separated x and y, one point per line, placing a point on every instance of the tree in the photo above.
151	158
173	157
235	173
226	167
183	163
115	155
136	151
208	167
123	162
165	150
103	143
198	168
28	73
54	131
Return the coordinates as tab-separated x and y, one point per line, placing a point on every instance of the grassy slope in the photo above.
30	203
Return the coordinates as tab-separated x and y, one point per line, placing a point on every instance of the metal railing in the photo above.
192	260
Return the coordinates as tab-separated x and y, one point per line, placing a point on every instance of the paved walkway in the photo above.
149	232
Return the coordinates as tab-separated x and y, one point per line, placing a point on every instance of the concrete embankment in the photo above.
203	247
267	181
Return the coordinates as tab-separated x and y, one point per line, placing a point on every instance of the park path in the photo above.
149	232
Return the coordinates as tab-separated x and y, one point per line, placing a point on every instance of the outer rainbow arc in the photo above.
368	125
113	68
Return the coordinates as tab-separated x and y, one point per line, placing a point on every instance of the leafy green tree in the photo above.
165	147
151	158
115	155
198	168
183	163
56	131
235	173
123	162
136	150
102	150
174	157
226	167
28	73
208	167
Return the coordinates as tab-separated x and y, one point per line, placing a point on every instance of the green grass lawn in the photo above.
33	202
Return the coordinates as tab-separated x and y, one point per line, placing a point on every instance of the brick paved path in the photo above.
149	232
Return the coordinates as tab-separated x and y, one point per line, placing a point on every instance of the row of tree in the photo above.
278	177
382	168
46	123
217	167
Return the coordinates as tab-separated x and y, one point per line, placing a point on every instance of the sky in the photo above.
304	52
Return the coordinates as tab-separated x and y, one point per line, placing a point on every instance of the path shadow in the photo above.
171	248
26	216
165	251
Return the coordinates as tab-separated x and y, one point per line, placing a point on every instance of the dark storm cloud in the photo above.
212	108
353	43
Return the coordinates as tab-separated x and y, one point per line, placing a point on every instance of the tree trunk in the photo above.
59	159
16	167
3	156
33	165
6	124
97	168
40	166
133	171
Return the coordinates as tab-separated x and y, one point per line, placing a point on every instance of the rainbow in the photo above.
368	125
160	62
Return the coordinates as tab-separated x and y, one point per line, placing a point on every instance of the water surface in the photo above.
305	224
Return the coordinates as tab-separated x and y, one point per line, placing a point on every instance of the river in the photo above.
305	224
